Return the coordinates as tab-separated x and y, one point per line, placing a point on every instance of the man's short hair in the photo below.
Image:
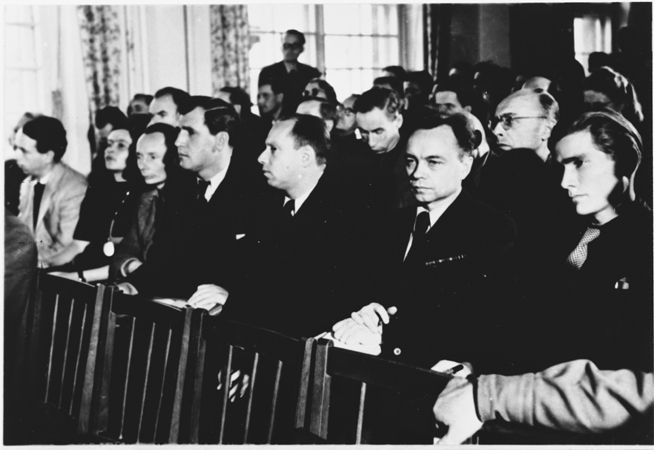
218	114
238	96
298	34
110	114
396	71
179	96
548	104
170	133
311	131
395	83
461	89
325	86
276	85
467	138
49	134
385	99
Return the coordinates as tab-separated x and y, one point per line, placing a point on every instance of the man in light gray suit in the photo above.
51	195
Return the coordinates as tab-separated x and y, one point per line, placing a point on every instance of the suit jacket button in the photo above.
397	351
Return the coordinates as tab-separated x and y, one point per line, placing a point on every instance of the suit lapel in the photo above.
48	192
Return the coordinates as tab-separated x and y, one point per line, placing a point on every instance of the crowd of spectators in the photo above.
496	219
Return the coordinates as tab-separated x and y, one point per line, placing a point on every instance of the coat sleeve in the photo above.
574	396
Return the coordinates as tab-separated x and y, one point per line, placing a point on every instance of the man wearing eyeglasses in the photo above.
525	120
290	71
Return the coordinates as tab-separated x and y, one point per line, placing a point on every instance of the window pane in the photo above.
348	19
354	52
282	17
19	14
19	55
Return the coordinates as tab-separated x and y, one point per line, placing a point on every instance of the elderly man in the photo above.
192	253
52	194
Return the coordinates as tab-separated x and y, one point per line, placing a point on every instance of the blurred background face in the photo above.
117	151
164	109
267	101
150	152
447	104
291	48
347	119
381	132
312	89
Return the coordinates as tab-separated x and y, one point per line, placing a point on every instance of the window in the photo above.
591	34
349	43
23	89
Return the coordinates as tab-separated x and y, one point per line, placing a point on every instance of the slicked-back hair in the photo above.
300	36
385	99
325	86
218	115
467	138
237	96
311	131
112	115
49	134
170	133
395	83
614	135
179	96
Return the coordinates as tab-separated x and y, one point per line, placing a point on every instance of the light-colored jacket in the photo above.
58	213
574	396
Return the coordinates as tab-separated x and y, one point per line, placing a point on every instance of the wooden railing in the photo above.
117	368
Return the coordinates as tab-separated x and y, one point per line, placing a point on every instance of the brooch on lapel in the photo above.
622	284
436	262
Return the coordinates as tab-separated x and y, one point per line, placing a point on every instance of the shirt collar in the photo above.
214	182
438	210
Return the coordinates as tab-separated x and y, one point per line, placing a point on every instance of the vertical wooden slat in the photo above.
226	379
321	392
146	379
163	383
362	403
198	349
52	346
253	381
273	405
99	420
78	359
123	406
303	387
65	359
173	436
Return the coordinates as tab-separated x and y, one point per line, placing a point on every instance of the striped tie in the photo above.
577	258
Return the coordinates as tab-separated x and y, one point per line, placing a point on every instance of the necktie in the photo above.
202	189
38	195
419	236
289	208
578	256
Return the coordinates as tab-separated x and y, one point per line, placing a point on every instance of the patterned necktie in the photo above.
578	256
38	195
419	236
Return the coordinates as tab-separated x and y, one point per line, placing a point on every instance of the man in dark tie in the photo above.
445	261
51	196
192	252
300	258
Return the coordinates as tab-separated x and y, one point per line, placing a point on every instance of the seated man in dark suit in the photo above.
293	74
299	259
443	276
192	252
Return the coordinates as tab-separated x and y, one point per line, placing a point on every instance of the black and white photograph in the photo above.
356	223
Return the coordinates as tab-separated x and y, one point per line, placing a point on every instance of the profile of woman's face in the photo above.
117	151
